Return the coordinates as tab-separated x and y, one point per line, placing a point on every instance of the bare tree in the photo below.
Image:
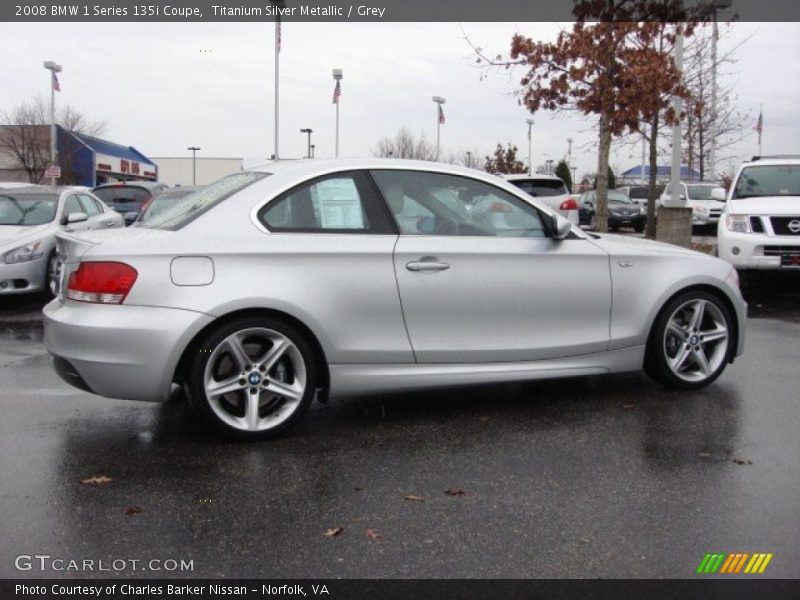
404	145
25	135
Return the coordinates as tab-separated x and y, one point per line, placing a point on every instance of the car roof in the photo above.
773	161
38	190
524	176
143	184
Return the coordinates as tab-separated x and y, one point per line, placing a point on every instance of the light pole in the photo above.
677	132
439	120
549	162
530	146
53	68
313	153
469	159
338	75
308	131
574	174
194	150
569	152
277	4
712	155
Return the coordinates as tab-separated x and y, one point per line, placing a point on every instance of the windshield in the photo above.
541	187
772	180
701	192
27	209
618	198
183	210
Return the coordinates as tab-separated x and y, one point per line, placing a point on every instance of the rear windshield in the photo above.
541	187
643	192
27	209
183	210
702	192
127	195
772	180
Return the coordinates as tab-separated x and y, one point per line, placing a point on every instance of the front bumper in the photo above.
637	220
23	278
119	351
758	251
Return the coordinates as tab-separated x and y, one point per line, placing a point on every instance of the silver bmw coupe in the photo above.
340	278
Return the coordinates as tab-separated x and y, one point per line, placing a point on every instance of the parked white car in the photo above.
30	217
761	228
550	190
706	203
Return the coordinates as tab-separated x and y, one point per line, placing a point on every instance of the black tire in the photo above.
656	356
205	350
51	272
592	223
614	227
638	228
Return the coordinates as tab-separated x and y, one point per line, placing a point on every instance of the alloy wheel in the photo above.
696	340
255	379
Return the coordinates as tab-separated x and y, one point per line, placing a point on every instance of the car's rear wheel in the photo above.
691	342
592	223
51	277
253	378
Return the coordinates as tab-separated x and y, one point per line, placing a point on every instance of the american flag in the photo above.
760	124
56	85
441	115
337	91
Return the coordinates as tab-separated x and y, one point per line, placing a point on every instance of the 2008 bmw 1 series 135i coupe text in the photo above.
347	277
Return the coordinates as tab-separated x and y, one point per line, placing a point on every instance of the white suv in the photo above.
761	225
550	190
705	199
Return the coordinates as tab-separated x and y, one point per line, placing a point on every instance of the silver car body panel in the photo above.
381	326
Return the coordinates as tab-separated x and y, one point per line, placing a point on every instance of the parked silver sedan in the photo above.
276	285
29	219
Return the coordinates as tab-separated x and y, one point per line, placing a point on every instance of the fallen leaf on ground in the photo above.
739	461
414	498
333	531
628	406
133	510
704	455
484	419
455	492
96	480
372	534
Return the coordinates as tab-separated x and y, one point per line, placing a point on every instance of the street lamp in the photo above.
712	157
574	174
194	150
313	153
469	159
569	152
530	146
549	162
308	131
439	118
53	68
338	75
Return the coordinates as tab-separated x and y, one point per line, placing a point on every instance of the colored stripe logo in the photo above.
734	563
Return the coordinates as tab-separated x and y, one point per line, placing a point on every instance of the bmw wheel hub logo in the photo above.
693	340
254	378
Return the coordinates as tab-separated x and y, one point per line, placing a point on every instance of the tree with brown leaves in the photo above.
504	161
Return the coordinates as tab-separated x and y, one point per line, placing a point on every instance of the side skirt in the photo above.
360	380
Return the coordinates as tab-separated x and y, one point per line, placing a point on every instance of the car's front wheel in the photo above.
691	342
253	378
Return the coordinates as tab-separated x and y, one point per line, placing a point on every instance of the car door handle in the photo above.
108	223
424	265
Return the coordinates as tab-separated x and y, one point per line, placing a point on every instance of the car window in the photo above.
71	205
425	203
768	180
541	187
27	209
338	203
90	207
118	195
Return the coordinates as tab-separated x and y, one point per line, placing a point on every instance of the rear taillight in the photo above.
569	204
103	282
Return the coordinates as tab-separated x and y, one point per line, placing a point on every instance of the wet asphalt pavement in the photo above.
595	477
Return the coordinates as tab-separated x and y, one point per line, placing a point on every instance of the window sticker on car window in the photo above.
340	204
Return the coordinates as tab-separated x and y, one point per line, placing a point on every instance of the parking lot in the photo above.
595	477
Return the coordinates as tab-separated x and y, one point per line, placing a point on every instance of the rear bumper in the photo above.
119	351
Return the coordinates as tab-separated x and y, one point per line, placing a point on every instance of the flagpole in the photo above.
277	79
761	127
439	101
337	77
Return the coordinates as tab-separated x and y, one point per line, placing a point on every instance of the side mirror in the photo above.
131	216
561	227
719	194
76	217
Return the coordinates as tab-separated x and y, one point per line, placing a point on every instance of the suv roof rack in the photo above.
755	158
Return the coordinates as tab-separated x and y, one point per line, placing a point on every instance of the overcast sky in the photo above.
163	87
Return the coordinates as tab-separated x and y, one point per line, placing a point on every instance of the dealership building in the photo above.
84	159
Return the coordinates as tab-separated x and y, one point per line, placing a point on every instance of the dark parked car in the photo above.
622	212
162	201
128	197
